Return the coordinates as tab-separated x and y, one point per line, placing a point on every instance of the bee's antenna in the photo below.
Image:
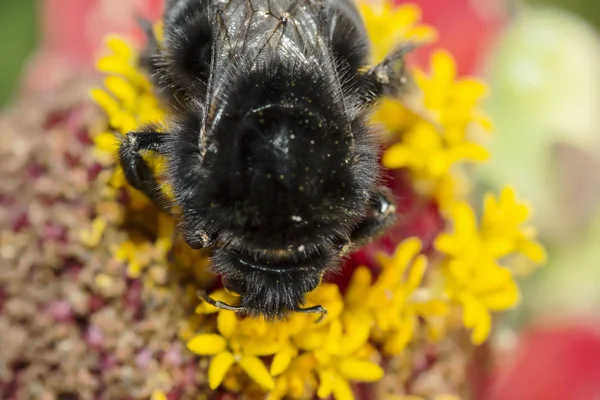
314	310
219	304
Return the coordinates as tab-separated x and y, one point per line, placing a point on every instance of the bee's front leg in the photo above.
136	170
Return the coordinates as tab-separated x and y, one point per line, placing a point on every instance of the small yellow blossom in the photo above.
503	227
428	152
394	303
339	364
238	341
388	26
298	381
139	254
475	278
431	144
452	102
129	102
501	232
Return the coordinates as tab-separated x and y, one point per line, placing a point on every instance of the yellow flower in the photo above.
137	256
427	151
394	303
502	231
239	341
128	98
475	279
452	102
298	381
430	132
431	144
481	288
388	26
304	333
338	363
503	227
129	102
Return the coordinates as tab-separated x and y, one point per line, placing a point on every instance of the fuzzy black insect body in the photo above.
270	157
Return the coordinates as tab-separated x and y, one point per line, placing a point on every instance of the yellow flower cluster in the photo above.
383	311
474	277
430	143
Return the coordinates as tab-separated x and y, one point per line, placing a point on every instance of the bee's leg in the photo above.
137	172
388	78
314	310
381	214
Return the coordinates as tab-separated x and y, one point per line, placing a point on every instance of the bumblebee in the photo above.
271	160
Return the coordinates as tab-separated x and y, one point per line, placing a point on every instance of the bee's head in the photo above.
270	284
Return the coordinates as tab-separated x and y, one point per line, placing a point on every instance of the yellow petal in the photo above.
226	322
355	337
464	220
207	344
398	342
406	14
360	370
359	283
122	90
432	308
532	250
416	273
469	90
477	317
447	244
443	67
342	389
423	34
119	46
107	141
326	382
333	343
107	102
502	298
256	370
469	151
396	156
311	340
219	366
259	346
282	360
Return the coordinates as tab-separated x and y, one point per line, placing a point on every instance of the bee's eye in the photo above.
233	286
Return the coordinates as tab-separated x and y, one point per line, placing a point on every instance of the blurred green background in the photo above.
19	31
